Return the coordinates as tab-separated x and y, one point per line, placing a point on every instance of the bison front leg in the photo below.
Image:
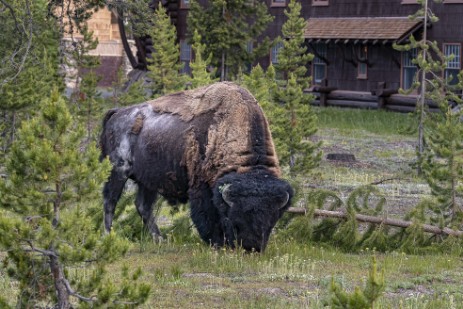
112	193
205	216
144	202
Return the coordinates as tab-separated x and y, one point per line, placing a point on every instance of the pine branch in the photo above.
45	252
77	295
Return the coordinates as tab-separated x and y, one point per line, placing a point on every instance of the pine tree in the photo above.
262	85
293	57
228	28
199	67
29	63
89	101
442	165
165	64
297	121
295	124
46	223
440	139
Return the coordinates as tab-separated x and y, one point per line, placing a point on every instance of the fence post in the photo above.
383	93
324	91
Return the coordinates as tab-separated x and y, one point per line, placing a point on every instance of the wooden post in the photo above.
324	91
383	93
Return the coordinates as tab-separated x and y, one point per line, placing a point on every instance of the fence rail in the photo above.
380	98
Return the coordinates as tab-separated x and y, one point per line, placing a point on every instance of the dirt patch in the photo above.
384	161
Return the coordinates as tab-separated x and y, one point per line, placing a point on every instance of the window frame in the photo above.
322	50
320	2
278	3
363	75
184	5
452	1
274	51
457	59
407	63
186	69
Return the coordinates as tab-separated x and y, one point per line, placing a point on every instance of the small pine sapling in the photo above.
52	179
361	298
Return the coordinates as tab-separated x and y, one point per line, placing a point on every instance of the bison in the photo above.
210	146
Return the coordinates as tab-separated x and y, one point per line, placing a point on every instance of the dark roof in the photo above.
383	29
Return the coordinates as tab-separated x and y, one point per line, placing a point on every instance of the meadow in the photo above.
186	273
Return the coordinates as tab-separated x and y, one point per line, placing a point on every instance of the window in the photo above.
184	4
278	3
320	2
453	65
318	64
362	67
409	2
275	51
453	1
185	56
409	69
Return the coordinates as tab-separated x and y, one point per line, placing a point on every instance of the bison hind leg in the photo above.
144	203
112	193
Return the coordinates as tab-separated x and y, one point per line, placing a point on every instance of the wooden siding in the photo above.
384	63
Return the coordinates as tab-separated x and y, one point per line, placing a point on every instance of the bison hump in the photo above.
218	98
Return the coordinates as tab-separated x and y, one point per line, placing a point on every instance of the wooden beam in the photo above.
327	41
356	41
337	41
374	42
346	41
365	41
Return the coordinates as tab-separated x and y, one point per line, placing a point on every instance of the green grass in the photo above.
374	121
290	275
287	275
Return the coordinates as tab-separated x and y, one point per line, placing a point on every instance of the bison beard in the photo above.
210	146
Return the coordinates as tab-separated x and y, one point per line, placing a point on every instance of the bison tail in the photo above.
108	115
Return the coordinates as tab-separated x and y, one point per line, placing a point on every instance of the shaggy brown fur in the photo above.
230	140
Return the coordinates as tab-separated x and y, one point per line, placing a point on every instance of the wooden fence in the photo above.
380	98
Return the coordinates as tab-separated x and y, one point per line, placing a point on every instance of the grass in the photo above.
185	273
290	275
373	121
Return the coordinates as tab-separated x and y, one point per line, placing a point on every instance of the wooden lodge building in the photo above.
352	40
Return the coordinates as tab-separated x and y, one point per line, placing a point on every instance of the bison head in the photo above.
249	206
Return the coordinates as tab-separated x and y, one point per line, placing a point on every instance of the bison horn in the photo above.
226	194
286	200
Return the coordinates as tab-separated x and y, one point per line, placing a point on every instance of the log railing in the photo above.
377	220
379	98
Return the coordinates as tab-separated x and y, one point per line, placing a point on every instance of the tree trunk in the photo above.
222	69
376	220
125	42
62	293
